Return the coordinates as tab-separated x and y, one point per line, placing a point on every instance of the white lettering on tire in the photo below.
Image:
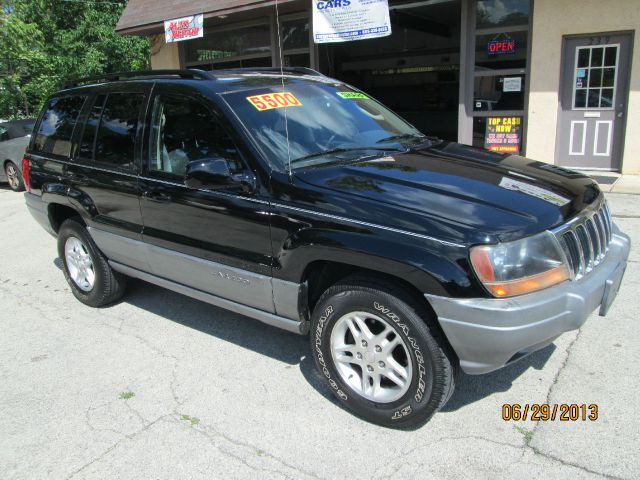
403	412
422	371
321	321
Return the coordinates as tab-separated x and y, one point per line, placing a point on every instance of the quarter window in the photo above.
115	143
184	130
57	124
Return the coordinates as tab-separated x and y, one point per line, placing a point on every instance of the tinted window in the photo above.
91	128
56	128
184	130
118	126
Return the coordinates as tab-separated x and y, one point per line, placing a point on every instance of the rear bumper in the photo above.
487	334
39	210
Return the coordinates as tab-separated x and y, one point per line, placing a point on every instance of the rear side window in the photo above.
116	139
56	128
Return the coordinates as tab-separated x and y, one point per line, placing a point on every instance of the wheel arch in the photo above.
322	274
319	275
58	213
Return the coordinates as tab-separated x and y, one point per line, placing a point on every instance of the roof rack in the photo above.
146	74
300	70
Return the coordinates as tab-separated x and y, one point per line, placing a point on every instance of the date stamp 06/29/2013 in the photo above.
544	412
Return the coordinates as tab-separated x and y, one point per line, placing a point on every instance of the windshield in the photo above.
325	122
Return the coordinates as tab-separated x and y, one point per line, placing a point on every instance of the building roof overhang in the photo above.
146	17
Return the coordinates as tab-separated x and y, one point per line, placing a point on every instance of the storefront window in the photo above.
252	41
295	42
295	34
296	60
244	63
505	92
501	13
500	74
250	45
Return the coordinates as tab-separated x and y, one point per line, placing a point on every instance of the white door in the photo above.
593	98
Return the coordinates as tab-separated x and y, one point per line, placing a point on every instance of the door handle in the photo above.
157	196
78	177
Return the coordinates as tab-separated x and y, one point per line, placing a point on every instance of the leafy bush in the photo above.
44	43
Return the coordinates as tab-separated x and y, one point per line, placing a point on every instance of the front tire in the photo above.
381	354
14	177
91	278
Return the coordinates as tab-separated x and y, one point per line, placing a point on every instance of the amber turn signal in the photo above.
529	284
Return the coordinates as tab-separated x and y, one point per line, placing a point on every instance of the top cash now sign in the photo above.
184	28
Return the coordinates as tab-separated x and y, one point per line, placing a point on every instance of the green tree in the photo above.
44	43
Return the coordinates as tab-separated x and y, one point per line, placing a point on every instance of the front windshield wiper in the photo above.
403	136
341	150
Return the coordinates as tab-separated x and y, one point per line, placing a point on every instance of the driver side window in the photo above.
184	130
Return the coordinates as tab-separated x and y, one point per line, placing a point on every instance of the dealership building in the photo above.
562	76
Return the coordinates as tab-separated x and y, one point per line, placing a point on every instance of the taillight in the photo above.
25	174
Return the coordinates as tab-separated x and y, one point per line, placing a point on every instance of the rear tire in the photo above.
85	268
14	177
381	354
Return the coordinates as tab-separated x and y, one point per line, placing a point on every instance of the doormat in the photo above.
604	180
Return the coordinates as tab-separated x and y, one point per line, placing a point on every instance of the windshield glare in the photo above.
330	118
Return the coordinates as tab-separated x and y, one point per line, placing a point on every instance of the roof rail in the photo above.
300	70
147	74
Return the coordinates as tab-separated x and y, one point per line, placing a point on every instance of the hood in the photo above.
491	196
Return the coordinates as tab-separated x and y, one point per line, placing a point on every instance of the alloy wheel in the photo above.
12	176
371	357
79	264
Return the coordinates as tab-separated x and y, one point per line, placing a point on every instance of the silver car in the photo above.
14	138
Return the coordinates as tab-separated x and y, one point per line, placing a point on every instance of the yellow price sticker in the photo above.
269	101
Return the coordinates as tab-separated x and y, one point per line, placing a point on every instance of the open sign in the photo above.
501	47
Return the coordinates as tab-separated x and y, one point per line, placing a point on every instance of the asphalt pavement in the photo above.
163	386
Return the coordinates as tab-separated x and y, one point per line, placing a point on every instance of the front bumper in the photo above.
489	333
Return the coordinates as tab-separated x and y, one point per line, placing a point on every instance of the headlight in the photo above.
520	267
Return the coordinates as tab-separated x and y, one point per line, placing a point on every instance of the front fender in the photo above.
428	265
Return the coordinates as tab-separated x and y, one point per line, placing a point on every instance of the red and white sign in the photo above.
184	28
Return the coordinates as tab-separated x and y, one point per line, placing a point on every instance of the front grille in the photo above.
586	240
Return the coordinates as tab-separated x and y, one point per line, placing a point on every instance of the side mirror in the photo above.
214	174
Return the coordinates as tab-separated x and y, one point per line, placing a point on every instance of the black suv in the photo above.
300	201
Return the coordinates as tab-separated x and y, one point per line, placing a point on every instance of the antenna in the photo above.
286	122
